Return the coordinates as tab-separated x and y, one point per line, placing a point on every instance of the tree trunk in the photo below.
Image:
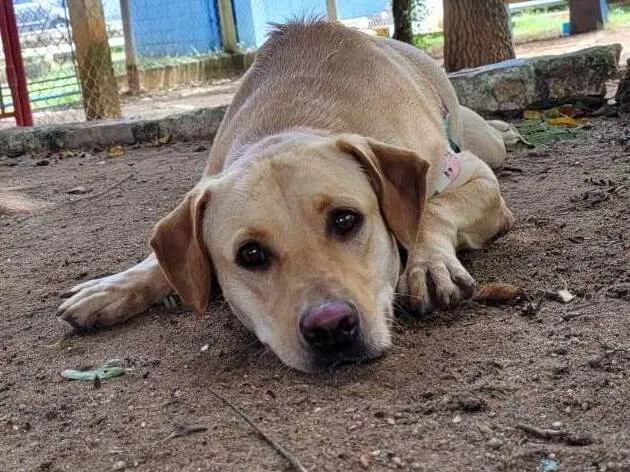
94	60
476	33
401	10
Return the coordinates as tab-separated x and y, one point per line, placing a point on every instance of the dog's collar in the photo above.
451	162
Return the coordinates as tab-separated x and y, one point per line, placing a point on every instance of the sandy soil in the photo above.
450	396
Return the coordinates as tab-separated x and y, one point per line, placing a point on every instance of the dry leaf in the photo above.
563	121
498	293
115	151
562	295
532	114
571	110
166	138
181	430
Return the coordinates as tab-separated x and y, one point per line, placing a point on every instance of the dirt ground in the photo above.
450	395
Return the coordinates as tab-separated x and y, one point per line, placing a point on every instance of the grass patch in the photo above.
540	133
618	17
533	25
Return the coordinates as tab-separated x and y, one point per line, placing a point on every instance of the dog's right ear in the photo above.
177	241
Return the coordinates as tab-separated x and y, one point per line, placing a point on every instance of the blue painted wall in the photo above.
253	16
172	28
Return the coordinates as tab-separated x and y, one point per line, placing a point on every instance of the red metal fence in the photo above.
16	76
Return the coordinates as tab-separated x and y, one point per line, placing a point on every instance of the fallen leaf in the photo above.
66	153
562	295
166	138
115	151
532	114
563	121
571	110
181	430
498	293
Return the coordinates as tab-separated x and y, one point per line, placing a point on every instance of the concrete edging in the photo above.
198	124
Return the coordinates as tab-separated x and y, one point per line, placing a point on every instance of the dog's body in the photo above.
335	152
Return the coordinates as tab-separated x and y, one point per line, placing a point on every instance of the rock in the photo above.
580	75
119	465
496	89
364	459
495	443
622	97
509	87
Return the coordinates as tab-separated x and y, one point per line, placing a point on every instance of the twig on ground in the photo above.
98	194
272	442
542	433
566	437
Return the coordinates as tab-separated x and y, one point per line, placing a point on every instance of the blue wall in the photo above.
172	28
253	16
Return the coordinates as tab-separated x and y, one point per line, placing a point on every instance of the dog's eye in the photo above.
253	256
344	223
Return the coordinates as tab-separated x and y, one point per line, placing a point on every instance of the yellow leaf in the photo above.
532	115
115	151
563	121
165	139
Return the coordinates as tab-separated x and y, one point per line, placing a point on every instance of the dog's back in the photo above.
327	77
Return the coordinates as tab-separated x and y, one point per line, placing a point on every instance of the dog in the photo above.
344	174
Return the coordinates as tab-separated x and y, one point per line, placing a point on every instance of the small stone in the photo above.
397	461
457	419
364	459
205	347
415	465
495	443
557	424
42	162
119	465
391	421
200	148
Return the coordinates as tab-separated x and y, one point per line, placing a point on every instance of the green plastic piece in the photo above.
108	370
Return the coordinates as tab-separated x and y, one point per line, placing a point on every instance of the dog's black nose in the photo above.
330	326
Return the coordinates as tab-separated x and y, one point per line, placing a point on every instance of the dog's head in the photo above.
303	240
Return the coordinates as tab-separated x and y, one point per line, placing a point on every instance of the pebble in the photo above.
557	424
42	162
415	465
397	461
391	421
119	465
205	347
457	419
495	443
365	460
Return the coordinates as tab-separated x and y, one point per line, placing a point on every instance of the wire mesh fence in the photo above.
82	57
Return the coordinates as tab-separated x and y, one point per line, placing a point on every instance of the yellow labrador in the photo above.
333	185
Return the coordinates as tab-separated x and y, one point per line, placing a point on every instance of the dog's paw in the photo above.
435	280
102	302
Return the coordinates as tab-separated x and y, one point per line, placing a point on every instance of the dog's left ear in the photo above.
398	176
178	244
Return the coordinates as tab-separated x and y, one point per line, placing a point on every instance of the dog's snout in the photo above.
330	326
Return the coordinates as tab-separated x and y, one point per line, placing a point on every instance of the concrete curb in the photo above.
198	124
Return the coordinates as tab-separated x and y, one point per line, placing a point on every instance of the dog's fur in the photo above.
326	118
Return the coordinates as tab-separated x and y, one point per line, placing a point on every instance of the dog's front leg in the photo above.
111	300
467	214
